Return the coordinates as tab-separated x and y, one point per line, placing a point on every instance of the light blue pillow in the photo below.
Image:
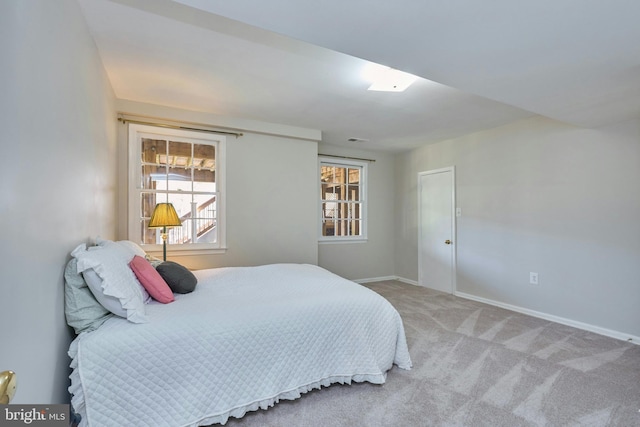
83	312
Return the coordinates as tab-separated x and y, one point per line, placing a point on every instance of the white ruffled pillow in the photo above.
108	276
134	249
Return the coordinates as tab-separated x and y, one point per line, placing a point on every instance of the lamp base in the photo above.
164	243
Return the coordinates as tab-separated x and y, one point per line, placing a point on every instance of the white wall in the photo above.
375	257
57	181
545	197
271	209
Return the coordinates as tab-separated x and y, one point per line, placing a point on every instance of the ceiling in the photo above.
300	63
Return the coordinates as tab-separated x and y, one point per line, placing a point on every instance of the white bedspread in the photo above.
244	339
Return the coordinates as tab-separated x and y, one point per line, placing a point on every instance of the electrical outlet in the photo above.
533	278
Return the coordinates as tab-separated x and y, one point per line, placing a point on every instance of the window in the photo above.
342	200
185	168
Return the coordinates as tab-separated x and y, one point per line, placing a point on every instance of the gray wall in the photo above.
271	212
373	258
545	197
57	181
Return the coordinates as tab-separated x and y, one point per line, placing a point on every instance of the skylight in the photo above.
387	79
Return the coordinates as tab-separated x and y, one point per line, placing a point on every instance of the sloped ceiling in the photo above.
483	64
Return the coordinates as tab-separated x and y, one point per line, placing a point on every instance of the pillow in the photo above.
114	281
179	279
133	249
153	260
110	303
82	311
151	280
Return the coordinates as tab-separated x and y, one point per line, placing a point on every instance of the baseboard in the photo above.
562	320
380	279
375	279
407	281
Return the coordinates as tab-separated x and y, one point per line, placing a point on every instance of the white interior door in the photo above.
436	208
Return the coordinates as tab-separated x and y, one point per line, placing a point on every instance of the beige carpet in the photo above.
478	365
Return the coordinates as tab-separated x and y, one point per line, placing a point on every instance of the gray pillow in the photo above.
83	312
179	279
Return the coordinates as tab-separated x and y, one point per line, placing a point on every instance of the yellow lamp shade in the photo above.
164	215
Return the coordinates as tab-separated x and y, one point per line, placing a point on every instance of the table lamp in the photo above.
164	215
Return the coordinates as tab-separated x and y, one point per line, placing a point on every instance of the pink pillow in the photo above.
151	280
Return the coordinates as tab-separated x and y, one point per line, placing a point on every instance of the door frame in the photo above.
454	268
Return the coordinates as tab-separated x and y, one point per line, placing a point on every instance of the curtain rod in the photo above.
346	157
140	122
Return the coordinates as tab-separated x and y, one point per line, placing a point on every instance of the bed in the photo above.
245	338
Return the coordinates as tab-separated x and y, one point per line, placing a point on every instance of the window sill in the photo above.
186	252
342	241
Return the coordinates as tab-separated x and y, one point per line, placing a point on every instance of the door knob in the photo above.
447	242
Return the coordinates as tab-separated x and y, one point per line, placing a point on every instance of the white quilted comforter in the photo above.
244	339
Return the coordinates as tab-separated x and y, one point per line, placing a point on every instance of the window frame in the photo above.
136	133
345	163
